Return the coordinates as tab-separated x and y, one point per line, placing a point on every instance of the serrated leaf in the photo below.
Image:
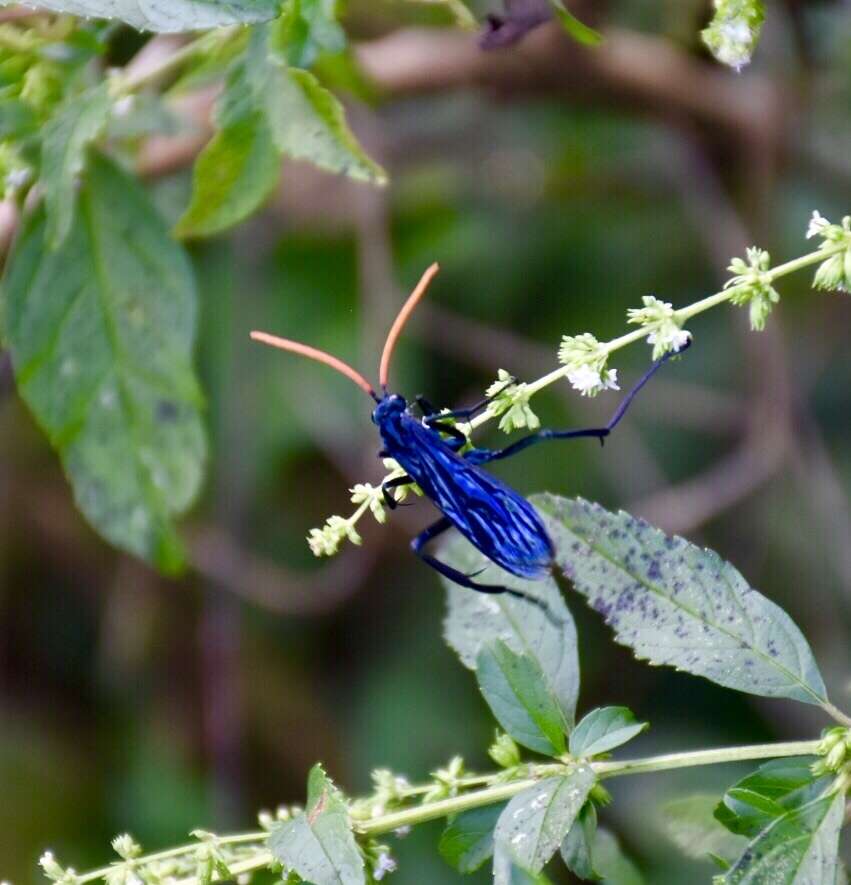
691	825
164	16
580	32
676	604
604	729
467	841
66	140
774	788
234	175
799	848
577	849
267	111
474	619
306	120
101	333
535	822
319	845
516	691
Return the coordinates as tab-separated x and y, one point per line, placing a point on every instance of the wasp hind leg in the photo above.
432	415
438	528
485	456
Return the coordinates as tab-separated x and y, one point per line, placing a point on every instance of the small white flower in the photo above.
383	865
582	350
734	30
510	403
402	832
818	225
126	846
326	541
51	867
364	493
590	382
754	284
585	380
664	330
672	338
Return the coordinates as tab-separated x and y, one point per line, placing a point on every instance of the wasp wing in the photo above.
491	515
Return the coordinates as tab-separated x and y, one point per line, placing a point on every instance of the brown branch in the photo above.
631	69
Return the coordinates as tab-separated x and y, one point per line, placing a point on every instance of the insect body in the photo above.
494	518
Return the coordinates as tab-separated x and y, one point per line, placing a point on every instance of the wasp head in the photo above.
391	406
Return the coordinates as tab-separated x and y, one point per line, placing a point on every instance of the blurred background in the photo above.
556	185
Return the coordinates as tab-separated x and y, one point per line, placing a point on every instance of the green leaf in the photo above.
474	619
267	111
691	825
17	119
799	848
165	16
305	29
577	850
579	31
774	788
613	865
535	822
319	845
238	169
467	841
516	691
306	120
65	144
604	729
674	603
101	334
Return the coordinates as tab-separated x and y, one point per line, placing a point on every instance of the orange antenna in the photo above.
319	355
399	323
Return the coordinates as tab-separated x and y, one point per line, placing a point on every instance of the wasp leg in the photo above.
433	416
389	500
425	406
484	456
458	440
438	528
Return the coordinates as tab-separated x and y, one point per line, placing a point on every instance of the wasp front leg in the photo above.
387	487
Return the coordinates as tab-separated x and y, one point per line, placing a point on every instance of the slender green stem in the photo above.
837	714
445	807
490	794
705	757
236	839
682	315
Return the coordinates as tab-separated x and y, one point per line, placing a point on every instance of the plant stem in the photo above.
445	807
477	798
705	757
837	714
639	334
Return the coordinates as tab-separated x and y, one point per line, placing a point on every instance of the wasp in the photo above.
434	454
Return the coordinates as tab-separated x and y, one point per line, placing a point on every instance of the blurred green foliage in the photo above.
133	702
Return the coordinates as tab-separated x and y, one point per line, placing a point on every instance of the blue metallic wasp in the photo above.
494	518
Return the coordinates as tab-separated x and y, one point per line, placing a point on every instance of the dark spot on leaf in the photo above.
167	411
